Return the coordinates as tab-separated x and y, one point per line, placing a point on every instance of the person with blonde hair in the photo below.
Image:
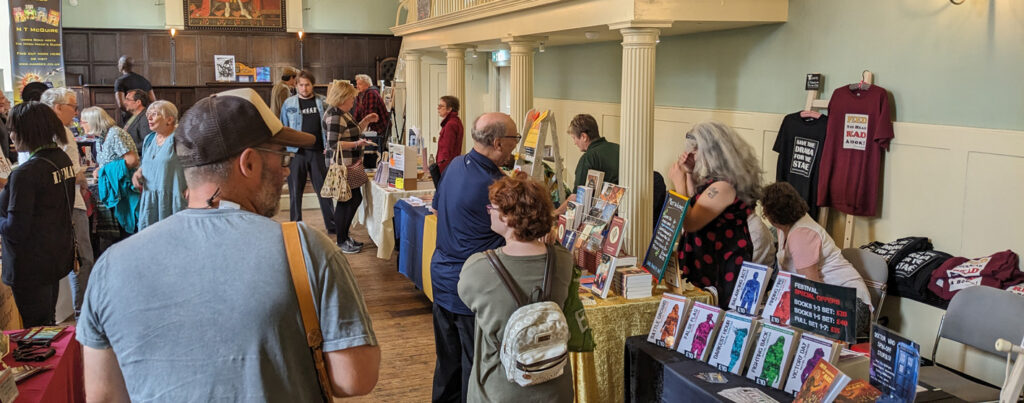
720	174
117	157
343	135
161	178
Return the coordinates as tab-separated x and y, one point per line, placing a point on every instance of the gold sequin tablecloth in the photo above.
598	376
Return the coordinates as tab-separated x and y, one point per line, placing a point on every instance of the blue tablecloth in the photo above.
409	230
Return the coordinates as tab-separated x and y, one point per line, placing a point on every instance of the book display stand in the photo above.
540	129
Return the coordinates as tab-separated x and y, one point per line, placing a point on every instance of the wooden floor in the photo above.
401	317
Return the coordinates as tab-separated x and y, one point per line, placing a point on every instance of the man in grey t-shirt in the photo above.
201	306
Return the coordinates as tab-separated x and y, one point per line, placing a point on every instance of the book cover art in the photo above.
612	193
572	215
822	385
613	241
809	351
895	361
668	320
733	342
561	228
859	391
750	286
584	196
596	210
595	179
776	306
772	354
605	271
609	211
699	331
569	241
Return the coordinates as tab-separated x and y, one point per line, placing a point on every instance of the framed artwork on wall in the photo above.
235	15
224	67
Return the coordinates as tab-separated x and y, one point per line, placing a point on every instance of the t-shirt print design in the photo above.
804	151
310	111
855	137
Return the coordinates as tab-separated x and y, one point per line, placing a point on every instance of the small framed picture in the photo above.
224	67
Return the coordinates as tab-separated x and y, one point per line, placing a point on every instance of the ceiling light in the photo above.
590	34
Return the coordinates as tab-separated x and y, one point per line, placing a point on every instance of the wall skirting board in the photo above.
958	186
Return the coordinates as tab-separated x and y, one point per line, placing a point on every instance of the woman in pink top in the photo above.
807	249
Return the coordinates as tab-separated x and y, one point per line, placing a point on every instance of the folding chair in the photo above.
977	317
874	271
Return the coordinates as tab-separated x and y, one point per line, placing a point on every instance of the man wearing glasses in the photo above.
64	102
464	228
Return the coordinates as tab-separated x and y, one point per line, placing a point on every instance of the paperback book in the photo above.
823	385
603	279
595	179
668	321
569	241
733	342
613	241
776	307
612	193
573	215
811	349
750	287
772	354
584	196
699	331
859	391
632	283
561	228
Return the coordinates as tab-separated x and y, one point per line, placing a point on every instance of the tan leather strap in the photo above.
310	321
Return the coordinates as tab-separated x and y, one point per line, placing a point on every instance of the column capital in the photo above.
640	24
412	54
449	48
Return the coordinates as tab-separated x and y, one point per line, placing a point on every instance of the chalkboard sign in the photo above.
894	364
665	234
825	309
813	82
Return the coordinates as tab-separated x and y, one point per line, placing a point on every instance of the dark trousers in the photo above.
453	342
36	304
345	212
308	163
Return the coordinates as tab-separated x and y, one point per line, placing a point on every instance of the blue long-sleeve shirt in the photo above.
463	224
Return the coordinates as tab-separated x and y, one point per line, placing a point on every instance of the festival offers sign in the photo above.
36	47
825	309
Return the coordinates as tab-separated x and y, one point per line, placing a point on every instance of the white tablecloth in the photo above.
377	210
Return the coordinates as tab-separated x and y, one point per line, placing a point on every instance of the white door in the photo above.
504	93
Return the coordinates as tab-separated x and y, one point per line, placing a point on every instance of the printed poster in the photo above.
36	44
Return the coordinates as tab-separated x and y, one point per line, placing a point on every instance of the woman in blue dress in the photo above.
161	179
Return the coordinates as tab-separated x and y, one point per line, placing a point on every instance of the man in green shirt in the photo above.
598	154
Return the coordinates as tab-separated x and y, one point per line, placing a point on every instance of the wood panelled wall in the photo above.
93	53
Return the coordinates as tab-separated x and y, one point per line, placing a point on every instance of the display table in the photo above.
409	221
62	383
655	374
377	210
597	376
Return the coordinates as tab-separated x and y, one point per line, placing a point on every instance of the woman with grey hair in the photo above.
117	158
720	174
161	179
114	143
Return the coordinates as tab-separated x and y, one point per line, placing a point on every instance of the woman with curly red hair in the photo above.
521	211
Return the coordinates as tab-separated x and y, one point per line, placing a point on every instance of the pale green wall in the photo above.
349	16
944	64
136	14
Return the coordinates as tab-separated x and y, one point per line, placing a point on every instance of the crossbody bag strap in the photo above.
304	291
71	213
505	277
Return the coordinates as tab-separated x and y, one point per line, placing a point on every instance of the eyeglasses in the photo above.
73	106
517	137
286	157
491	207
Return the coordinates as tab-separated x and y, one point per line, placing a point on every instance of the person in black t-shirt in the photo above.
35	214
304	111
127	82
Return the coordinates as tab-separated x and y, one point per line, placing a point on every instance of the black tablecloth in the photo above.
657	374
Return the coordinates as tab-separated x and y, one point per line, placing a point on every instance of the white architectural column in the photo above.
636	149
456	72
521	80
413	89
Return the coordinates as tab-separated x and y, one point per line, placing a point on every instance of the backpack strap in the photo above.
505	277
549	274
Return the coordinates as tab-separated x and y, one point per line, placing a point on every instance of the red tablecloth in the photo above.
63	383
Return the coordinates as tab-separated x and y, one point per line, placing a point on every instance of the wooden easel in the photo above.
811	104
531	156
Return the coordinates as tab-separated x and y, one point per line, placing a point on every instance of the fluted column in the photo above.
413	89
456	71
637	134
521	80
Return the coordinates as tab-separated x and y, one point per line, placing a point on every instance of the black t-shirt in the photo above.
799	144
39	196
311	121
132	81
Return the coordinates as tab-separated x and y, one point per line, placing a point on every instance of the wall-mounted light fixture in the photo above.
302	57
541	47
174	32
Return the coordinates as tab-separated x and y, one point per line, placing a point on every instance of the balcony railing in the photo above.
445	7
416	11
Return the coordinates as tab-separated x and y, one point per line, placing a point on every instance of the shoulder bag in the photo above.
310	321
336	184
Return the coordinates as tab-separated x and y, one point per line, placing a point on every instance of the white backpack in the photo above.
534	348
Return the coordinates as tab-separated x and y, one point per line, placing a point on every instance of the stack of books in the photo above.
632	283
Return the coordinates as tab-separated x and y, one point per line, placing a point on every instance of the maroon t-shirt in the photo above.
859	130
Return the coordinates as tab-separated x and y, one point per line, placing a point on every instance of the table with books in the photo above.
409	226
62	382
378	208
598	375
